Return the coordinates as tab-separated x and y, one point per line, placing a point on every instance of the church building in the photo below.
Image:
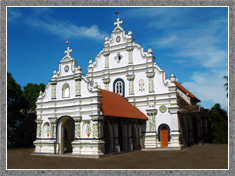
124	102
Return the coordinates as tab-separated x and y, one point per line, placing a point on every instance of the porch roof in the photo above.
186	91
115	105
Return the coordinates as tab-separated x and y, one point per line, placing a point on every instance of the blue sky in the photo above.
191	42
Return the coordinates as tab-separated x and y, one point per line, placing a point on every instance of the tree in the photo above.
31	93
226	84
21	114
15	116
218	122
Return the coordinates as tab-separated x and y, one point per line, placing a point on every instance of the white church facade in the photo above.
124	102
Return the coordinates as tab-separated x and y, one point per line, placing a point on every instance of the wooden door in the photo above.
164	137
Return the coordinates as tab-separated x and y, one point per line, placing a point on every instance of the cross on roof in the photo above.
118	22
68	51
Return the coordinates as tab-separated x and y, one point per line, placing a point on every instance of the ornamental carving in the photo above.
78	88
151	85
130	58
88	129
47	130
77	130
131	87
53	131
38	130
106	86
141	85
152	123
107	61
53	91
95	128
162	108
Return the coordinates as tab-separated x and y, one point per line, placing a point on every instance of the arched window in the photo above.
66	90
119	87
46	130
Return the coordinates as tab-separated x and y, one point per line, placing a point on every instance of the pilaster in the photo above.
53	90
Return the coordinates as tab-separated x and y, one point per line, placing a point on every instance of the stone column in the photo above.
150	76
39	128
78	87
53	127
150	137
106	82
53	90
77	146
130	57
152	126
95	129
106	55
77	121
131	78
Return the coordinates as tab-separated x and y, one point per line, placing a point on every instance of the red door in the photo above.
164	137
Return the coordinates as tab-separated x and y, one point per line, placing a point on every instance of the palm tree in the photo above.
226	84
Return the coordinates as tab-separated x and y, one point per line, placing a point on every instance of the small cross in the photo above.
68	51
118	22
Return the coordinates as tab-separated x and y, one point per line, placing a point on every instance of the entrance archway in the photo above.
108	137
65	134
135	136
164	136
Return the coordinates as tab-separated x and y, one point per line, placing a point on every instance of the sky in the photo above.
191	42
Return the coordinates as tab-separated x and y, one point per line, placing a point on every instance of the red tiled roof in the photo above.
186	91
115	105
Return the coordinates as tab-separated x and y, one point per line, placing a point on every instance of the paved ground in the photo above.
208	156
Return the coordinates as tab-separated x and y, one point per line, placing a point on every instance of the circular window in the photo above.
162	109
66	68
118	39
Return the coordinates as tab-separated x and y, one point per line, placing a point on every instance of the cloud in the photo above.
198	44
69	30
192	38
41	18
13	14
209	87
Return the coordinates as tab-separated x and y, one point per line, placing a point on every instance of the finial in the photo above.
79	68
67	42
106	38
90	62
172	78
54	72
150	51
130	33
116	12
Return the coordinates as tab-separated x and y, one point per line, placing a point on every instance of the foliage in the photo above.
21	125
218	125
226	84
31	92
